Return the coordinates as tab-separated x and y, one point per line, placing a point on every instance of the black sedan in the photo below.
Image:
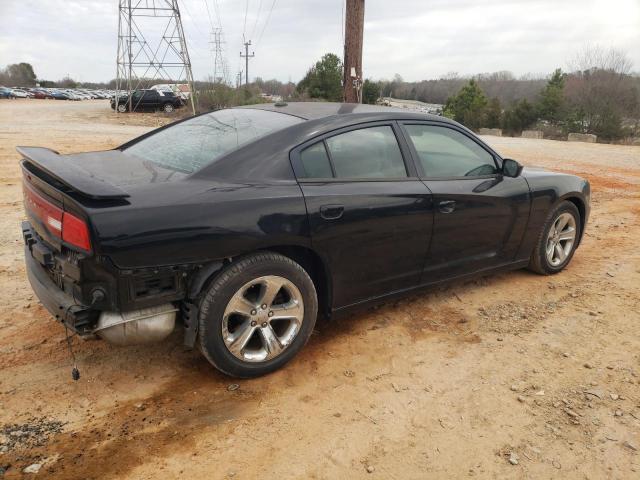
244	224
146	100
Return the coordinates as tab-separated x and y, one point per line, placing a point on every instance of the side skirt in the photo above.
369	302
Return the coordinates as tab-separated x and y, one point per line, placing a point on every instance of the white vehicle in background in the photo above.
19	93
181	90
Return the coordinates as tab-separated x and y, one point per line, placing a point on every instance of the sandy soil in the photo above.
450	383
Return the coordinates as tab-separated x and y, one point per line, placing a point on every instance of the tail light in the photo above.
61	224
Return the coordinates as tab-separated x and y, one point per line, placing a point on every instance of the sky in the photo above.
418	39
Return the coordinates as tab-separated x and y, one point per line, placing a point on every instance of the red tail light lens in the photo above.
61	224
75	231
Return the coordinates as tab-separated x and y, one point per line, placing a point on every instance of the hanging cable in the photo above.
255	24
267	21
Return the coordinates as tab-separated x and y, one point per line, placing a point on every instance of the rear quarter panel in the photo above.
212	221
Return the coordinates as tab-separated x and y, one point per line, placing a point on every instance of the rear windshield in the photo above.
190	145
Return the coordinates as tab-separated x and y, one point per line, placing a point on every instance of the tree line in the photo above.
599	94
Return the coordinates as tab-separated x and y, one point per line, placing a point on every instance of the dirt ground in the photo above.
514	375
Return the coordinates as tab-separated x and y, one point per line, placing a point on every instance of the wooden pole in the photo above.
353	38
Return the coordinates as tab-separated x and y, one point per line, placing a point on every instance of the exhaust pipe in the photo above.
136	327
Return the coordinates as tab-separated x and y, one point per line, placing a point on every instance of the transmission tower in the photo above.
163	57
220	72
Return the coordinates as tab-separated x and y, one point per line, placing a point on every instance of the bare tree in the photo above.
601	91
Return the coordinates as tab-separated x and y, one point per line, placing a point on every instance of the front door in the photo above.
480	215
370	216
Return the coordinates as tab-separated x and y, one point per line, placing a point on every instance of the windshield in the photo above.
192	144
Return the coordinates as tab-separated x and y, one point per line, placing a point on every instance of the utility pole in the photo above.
239	79
353	37
246	57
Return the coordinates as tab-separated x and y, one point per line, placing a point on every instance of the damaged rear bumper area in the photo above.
50	289
55	290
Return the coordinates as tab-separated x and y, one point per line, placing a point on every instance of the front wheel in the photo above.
257	315
168	108
557	241
122	107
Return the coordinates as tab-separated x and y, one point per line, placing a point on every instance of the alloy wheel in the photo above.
561	239
262	318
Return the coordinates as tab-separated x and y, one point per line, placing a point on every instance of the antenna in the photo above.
164	58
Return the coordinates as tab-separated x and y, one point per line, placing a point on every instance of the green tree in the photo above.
493	114
551	102
323	80
370	92
519	117
467	106
18	75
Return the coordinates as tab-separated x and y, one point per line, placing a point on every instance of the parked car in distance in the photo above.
40	93
6	93
244	224
147	100
59	95
19	93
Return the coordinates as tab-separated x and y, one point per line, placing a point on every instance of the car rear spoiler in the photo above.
70	174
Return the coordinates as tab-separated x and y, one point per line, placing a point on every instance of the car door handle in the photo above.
447	206
331	212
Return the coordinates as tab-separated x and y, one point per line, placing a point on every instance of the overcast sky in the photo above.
418	39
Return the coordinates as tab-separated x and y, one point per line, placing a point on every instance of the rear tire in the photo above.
256	315
557	241
168	108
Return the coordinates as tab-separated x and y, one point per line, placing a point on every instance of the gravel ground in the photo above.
509	376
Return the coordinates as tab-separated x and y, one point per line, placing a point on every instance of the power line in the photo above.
246	10
255	24
267	21
216	7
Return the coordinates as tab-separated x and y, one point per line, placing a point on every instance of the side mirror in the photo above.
511	168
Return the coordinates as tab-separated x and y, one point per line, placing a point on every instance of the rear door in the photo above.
370	215
151	100
480	215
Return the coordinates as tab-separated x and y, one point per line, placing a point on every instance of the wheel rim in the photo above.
122	108
168	108
561	239
262	319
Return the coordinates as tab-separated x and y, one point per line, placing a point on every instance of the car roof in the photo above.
318	110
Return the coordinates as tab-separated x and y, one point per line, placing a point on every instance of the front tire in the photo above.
557	241
168	108
122	107
257	315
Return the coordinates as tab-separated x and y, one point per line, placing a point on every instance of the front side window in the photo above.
371	152
190	145
444	152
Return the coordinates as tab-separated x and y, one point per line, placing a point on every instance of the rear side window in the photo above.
444	152
315	162
367	153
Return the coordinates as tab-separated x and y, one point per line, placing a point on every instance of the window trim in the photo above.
405	152
416	157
